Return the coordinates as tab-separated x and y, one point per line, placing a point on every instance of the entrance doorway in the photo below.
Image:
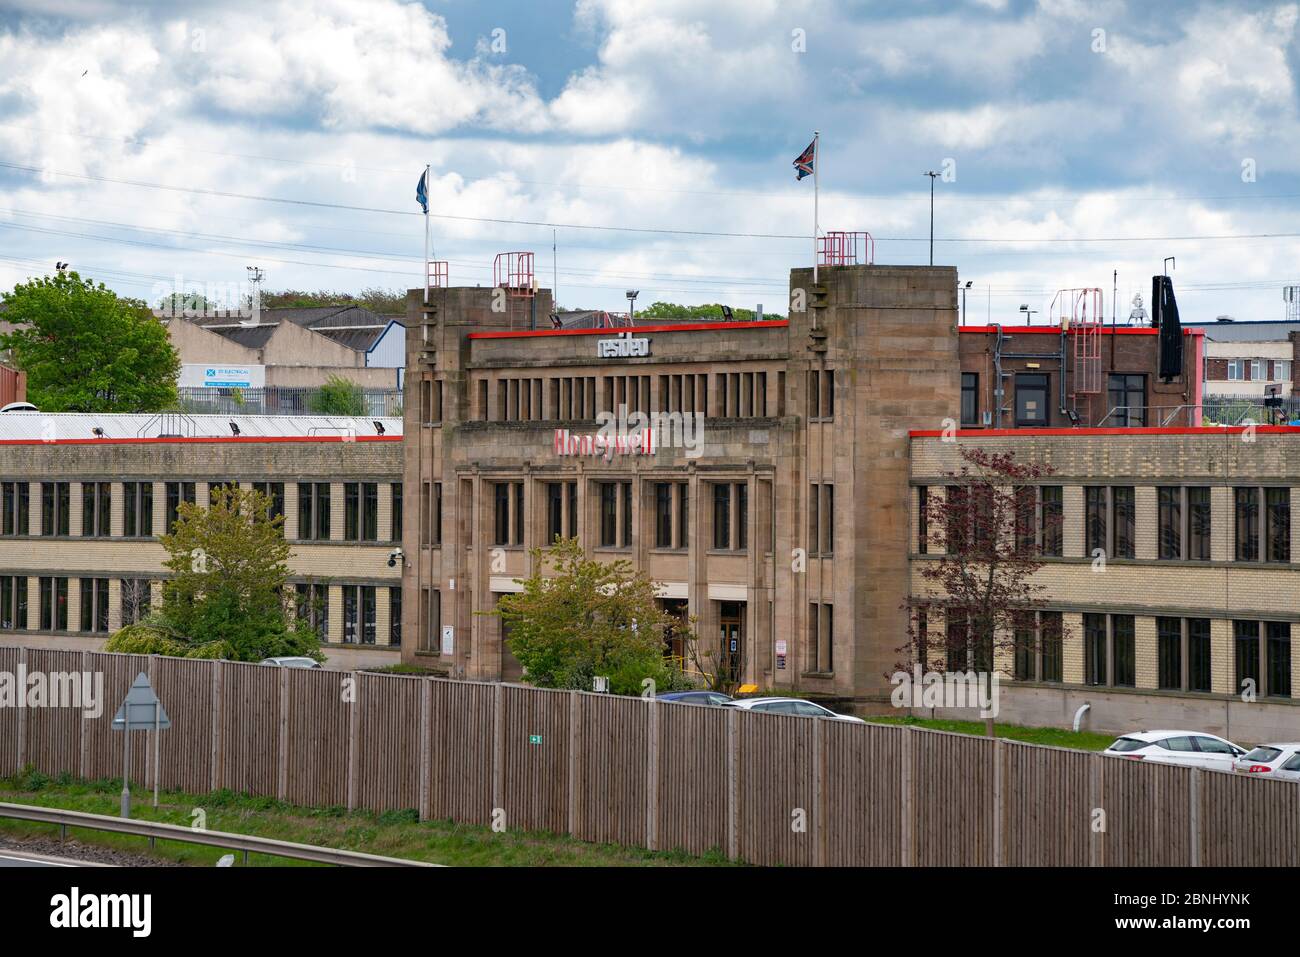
731	632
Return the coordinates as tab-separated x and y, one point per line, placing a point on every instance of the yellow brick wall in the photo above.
1146	652
1146	530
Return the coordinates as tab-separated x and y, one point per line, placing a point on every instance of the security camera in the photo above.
394	557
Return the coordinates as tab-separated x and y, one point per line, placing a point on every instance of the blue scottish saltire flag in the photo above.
803	165
422	191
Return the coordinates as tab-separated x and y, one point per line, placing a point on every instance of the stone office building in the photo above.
85	497
787	531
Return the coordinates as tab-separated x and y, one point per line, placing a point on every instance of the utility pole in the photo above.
933	176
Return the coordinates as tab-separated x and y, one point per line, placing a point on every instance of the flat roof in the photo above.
76	428
1151	430
1056	330
620	330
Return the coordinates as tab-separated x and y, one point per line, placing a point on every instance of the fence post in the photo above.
1194	817
906	806
733	759
422	790
354	726
498	715
22	717
652	775
214	757
282	772
998	820
572	770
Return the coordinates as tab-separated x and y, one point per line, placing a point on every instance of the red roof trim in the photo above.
202	439
676	327
1183	430
1055	331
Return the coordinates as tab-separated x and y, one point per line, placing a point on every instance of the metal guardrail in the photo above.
176	832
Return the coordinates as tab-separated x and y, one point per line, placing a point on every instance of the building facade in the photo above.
81	515
1172	584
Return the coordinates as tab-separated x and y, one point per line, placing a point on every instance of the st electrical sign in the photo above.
623	347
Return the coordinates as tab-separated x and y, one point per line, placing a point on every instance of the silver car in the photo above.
292	661
1268	760
794	706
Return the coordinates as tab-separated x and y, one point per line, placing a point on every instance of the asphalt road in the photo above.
8	859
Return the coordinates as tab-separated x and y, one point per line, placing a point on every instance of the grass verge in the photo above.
392	833
1057	737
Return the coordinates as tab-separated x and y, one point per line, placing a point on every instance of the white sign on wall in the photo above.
448	639
204	376
623	347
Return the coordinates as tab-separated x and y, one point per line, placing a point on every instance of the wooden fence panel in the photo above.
317	737
1047	821
864	812
534	758
692	778
460	751
388	742
103	745
1247	822
953	818
184	687
611	787
10	719
249	729
53	735
1147	814
774	789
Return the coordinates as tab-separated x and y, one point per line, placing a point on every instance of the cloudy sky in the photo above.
652	140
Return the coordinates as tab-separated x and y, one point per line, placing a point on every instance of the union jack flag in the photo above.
803	165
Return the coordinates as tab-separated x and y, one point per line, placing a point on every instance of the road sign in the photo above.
534	739
140	711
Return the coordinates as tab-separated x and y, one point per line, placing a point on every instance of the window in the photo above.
1270	526
663	493
1124	653
395	512
94	605
1169	510
135	599
721	515
1128	399
361	511
742	517
1109	646
821	632
970	400
54	604
54	508
395	615
1031	398
1184	523
821	519
923	519
1050	629
1256	370
1198	654
15	508
96	509
430	620
177	492
615	514
313	511
313	603
431	513
1269	643
1108	520
1052	519
1094	649
1282	370
501	513
1169	653
275	492
359	614
573	509
137	509
1198	524
1235	371
13	602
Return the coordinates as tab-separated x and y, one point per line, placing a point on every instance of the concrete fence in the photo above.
767	789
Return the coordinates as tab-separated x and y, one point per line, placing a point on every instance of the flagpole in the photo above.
426	236
817	165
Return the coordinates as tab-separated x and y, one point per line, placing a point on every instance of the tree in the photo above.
373	298
225	599
86	350
981	586
672	310
338	396
586	619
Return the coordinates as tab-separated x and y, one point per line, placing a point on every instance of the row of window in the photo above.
1125	391
311	602
1184	521
1256	370
360	508
566	398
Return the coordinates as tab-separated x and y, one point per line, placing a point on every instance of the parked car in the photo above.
791	706
1289	770
290	661
1269	759
707	698
1189	748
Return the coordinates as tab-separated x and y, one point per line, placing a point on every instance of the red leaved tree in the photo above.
986	534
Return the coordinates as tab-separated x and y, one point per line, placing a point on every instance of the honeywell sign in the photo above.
624	347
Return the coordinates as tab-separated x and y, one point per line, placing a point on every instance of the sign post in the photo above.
140	711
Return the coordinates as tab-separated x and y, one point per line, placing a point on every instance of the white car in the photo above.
1269	759
292	661
1194	749
790	706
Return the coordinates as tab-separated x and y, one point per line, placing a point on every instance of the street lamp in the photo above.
969	282
933	176
631	303
1029	313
